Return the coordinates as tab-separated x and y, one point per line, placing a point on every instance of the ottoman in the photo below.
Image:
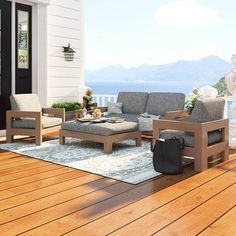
106	133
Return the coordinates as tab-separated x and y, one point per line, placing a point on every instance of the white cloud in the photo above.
185	13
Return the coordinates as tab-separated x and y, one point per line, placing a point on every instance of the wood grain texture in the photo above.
41	198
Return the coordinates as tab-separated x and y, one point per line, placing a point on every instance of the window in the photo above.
23	39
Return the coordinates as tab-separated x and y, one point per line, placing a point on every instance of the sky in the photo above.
137	32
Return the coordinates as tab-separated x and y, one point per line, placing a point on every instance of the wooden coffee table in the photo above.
105	133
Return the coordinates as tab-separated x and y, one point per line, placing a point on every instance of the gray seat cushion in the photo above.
133	102
29	123
213	137
100	128
25	102
160	103
208	110
127	117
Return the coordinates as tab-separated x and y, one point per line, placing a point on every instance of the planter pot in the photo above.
70	115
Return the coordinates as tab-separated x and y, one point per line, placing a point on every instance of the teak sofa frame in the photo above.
38	131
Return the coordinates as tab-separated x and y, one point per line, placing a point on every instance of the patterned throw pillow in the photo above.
115	107
145	121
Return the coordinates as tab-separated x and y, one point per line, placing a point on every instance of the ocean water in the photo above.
163	86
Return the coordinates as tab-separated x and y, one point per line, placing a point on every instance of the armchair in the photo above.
205	133
28	118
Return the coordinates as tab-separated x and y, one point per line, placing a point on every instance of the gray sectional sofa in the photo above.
136	103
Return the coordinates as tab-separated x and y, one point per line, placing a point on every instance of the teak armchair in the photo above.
28	118
205	134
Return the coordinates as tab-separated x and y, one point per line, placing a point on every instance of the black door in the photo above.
5	60
23	48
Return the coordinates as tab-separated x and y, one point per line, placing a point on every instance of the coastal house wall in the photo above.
65	25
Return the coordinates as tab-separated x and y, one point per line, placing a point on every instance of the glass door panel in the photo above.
23	40
23	48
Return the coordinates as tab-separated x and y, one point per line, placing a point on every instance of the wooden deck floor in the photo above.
40	198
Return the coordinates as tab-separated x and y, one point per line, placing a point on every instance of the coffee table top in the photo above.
100	128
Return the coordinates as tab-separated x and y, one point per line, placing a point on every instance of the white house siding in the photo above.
65	25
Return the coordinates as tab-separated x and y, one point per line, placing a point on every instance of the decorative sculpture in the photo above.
230	79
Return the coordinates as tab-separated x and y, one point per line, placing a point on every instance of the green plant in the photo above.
69	106
222	87
192	99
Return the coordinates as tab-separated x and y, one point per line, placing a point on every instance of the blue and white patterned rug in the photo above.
127	163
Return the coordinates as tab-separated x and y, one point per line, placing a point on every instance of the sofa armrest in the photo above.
57	112
177	115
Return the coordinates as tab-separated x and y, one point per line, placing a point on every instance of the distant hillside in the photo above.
209	69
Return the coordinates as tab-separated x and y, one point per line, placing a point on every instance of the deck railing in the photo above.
102	99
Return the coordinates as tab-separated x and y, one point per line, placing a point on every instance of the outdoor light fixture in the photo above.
69	53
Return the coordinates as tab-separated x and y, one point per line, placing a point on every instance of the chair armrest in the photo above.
176	125
177	115
24	114
196	128
37	115
57	112
215	125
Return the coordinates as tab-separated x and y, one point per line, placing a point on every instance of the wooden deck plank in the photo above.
224	226
216	207
88	180
8	155
55	212
40	202
92	185
180	203
12	160
16	164
40	184
23	168
105	206
34	178
28	173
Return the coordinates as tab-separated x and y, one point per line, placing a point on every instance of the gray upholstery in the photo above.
29	123
133	102
213	137
100	128
127	117
208	110
25	102
160	103
115	107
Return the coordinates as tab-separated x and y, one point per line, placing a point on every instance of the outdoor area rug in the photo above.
127	163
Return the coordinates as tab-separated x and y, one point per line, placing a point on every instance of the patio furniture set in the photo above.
205	131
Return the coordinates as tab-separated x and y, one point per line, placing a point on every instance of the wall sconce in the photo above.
69	53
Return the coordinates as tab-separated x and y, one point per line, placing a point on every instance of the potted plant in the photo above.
70	108
88	100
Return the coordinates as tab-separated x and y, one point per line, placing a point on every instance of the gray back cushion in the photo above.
25	102
133	102
160	103
208	110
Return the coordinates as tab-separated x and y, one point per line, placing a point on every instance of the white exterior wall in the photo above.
65	80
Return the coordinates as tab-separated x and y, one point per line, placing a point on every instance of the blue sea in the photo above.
163	86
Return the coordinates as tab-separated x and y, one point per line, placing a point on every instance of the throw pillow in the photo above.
145	121
115	107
